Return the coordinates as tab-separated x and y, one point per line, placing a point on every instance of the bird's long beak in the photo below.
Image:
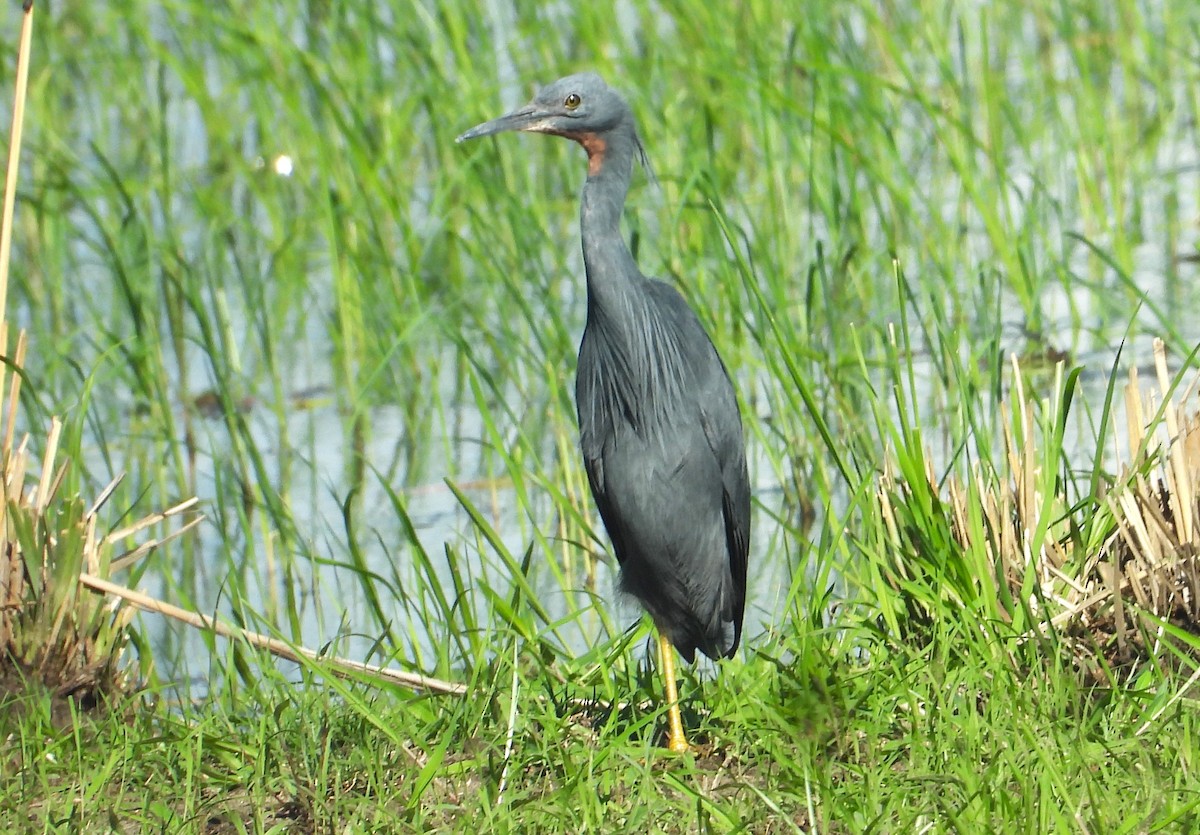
524	118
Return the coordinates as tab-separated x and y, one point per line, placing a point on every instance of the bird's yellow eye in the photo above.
571	101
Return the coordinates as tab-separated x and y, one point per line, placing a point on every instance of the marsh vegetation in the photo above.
932	243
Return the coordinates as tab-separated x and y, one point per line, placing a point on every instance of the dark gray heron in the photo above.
659	426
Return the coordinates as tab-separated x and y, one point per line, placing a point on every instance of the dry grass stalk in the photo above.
14	151
282	649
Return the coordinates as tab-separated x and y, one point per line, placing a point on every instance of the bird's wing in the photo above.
593	464
722	423
735	506
591	413
723	430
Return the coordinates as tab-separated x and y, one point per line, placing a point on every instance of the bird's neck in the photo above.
610	267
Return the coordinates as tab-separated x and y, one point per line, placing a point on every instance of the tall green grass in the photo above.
366	370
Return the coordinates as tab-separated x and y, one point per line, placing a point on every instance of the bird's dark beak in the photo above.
524	118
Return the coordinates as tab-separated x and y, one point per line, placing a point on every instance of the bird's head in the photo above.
571	106
579	107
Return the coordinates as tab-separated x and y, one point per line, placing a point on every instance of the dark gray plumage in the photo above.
660	431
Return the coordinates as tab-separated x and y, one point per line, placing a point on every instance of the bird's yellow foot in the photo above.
676	741
678	744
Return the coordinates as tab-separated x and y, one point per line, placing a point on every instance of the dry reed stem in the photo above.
14	153
272	645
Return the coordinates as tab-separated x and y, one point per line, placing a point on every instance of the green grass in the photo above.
870	205
915	739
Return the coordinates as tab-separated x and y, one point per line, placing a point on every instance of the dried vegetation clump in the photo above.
1115	572
55	632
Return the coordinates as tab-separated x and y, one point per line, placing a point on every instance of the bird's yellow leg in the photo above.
676	741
